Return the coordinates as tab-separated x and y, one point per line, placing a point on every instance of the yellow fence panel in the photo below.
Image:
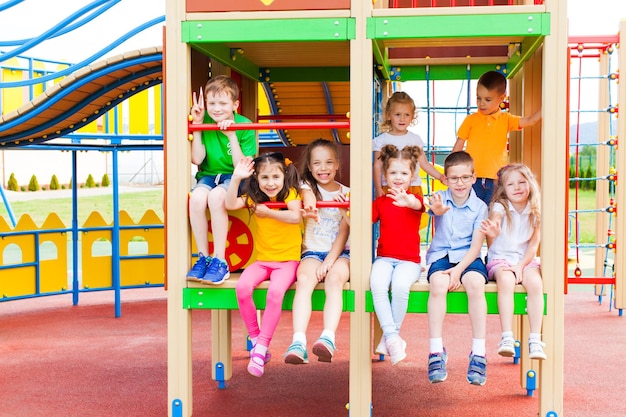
53	256
96	254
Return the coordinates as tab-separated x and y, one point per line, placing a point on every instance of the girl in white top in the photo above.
513	236
325	252
400	113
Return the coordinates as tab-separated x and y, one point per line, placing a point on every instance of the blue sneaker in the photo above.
296	354
216	272
324	349
437	367
477	370
197	271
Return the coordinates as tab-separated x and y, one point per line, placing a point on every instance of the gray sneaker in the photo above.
437	367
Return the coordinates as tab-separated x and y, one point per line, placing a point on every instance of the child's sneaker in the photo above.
197	271
296	354
396	348
535	347
324	349
437	367
216	272
381	349
507	347
256	366
477	370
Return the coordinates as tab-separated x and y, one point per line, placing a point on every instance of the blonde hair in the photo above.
222	84
534	195
399	97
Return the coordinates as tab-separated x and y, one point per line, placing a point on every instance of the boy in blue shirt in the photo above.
454	258
216	152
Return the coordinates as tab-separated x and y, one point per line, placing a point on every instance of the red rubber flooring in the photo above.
62	360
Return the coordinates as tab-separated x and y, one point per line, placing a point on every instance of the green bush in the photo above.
33	185
90	183
105	180
22	188
12	185
54	182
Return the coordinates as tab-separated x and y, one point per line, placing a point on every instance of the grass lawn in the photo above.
586	221
135	203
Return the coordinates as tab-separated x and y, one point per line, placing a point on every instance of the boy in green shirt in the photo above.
215	152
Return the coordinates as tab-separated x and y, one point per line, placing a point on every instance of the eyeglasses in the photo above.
465	179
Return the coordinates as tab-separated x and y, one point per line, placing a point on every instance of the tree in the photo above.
12	185
33	185
54	182
105	180
90	183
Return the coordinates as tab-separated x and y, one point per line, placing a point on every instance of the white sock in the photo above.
507	334
329	334
253	340
436	345
535	336
299	337
478	347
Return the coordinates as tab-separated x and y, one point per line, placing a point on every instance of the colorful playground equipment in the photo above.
322	66
357	43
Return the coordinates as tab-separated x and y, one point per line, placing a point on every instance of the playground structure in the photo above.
356	42
528	73
593	64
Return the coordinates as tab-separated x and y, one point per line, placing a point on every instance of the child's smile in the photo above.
271	179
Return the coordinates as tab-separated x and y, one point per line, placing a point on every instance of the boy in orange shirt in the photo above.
486	132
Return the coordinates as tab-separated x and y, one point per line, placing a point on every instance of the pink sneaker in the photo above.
256	364
396	348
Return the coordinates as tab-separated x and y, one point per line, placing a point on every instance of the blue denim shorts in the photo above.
213	181
444	264
484	187
320	256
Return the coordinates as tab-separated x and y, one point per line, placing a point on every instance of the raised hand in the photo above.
490	228
436	205
197	109
245	168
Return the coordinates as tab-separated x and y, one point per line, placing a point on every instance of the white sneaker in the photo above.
535	347
396	348
381	349
507	347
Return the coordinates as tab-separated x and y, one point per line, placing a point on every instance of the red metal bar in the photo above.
302	117
593	39
319	204
591	280
276	126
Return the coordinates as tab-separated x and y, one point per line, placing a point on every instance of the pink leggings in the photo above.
281	276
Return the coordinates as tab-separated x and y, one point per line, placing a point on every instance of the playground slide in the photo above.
82	97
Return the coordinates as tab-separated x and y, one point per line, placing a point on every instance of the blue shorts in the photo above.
483	187
212	181
444	264
320	256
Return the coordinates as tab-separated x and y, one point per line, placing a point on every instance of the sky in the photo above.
31	18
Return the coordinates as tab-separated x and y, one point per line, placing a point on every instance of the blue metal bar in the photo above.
96	12
115	235
90	79
75	283
83	63
9	4
47	34
7	206
331	109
